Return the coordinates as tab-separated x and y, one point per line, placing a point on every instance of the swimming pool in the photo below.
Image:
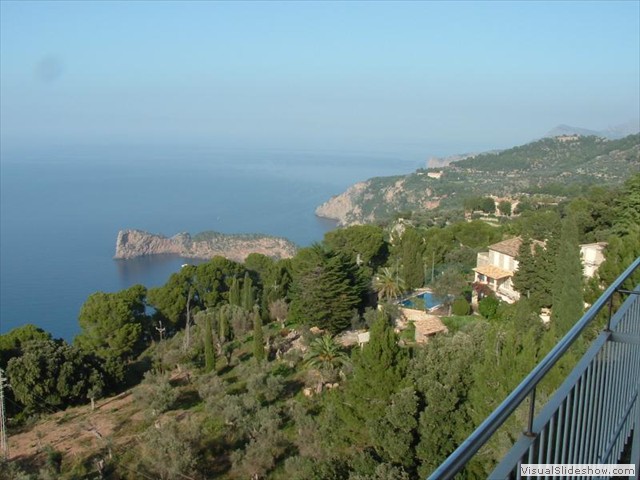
423	301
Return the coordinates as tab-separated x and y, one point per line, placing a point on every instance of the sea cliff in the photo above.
136	243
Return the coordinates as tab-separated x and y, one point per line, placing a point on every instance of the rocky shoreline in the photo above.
344	207
137	243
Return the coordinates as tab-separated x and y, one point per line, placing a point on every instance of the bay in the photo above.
61	209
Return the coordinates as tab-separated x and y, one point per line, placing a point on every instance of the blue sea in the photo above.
61	209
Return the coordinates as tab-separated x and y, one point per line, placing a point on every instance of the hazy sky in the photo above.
369	76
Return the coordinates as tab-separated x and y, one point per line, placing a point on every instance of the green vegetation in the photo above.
241	385
539	173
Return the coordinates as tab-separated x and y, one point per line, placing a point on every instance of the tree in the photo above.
156	392
52	374
474	234
536	267
568	297
170	300
235	297
505	208
248	295
213	279
485	204
11	343
378	370
364	244
113	323
627	207
488	307
325	355
449	285
394	436
327	288
460	306
207	324
443	376
389	284
412	252
258	337
167	451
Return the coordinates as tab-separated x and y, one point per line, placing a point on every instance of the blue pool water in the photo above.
429	299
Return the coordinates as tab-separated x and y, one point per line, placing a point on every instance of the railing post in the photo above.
608	329
532	413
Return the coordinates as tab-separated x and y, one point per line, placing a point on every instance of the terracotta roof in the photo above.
512	246
508	247
492	271
426	325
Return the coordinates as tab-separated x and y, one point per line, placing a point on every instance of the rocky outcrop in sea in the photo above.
137	243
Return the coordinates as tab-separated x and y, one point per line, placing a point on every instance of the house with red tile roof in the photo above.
496	267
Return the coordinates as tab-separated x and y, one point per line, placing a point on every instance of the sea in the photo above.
62	207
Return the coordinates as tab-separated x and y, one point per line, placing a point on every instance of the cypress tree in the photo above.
258	337
209	357
248	297
223	325
568	296
412	246
234	292
525	278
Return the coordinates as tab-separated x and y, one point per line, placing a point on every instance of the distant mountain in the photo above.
613	133
559	166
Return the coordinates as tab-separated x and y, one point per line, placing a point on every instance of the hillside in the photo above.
557	166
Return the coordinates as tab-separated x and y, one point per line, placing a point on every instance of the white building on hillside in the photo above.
496	267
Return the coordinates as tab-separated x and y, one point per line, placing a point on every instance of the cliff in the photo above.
136	243
379	198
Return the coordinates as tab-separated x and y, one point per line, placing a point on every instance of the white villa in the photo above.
592	256
496	267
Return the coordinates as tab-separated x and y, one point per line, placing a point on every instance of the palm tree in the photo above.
326	356
389	284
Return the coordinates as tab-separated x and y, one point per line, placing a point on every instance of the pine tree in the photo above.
258	337
568	296
378	371
327	288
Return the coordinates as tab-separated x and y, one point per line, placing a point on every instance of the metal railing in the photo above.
590	417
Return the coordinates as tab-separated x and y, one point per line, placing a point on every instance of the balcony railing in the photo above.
592	415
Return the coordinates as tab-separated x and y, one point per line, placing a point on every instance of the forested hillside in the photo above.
243	370
560	167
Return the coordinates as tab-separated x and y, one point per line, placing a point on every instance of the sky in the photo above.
414	78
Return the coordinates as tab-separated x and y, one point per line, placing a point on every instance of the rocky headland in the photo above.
378	198
137	243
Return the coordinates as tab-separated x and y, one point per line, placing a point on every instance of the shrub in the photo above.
460	306
488	307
